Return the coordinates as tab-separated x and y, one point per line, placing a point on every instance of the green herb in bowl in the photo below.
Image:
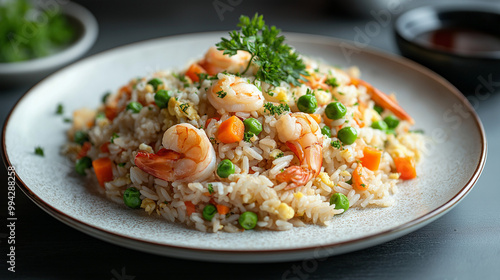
28	31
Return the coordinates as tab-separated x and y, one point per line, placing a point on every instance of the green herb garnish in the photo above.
80	137
221	94
210	189
332	82
275	59
60	109
184	107
105	97
247	136
39	151
30	29
276	109
336	144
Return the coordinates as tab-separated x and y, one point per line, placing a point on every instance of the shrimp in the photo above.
383	100
234	94
216	61
301	133
188	156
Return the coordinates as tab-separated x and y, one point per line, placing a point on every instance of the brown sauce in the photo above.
461	40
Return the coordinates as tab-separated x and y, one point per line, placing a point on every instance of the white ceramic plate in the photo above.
454	160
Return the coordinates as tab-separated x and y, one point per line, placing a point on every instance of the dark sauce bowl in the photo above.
430	35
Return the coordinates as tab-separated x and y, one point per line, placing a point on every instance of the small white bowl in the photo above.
30	71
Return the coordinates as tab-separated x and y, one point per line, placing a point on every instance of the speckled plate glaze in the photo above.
455	155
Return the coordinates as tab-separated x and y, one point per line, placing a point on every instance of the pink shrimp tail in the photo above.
295	176
159	165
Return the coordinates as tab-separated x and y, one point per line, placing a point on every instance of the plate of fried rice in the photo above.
247	148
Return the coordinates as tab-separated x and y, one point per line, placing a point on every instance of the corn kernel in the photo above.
149	88
375	116
282	96
326	179
323	97
346	154
298	195
278	94
394	176
285	212
149	205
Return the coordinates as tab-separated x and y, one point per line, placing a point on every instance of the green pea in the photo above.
155	82
132	198
392	121
83	164
80	137
307	103
335	110
378	109
347	135
380	125
135	107
325	130
248	220
390	131
225	168
209	212
253	126
161	98
340	200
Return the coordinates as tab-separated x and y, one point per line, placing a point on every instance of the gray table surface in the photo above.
463	244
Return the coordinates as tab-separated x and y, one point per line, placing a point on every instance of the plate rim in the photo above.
362	242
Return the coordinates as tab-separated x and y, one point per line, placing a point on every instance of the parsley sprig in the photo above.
276	60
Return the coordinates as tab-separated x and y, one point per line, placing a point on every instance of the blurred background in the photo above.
46	248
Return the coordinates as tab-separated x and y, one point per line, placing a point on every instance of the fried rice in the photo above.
122	135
